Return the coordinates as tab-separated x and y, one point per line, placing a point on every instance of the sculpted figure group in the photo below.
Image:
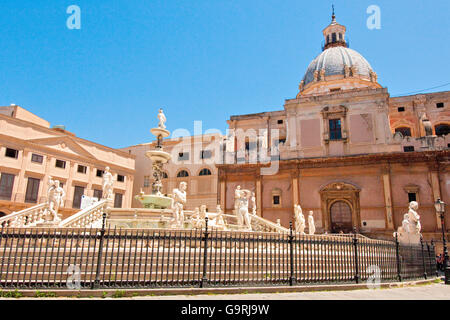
300	222
409	232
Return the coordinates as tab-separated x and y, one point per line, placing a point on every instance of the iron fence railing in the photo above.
134	258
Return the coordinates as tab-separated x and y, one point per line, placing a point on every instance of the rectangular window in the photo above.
98	194
335	129
401	109
77	194
6	186
11	153
280	121
99	173
183	156
412	196
37	158
205	154
118	200
81	169
276	199
146	181
408	149
120	178
439	105
31	195
60	164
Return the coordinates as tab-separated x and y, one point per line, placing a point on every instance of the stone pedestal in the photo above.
48	224
409	238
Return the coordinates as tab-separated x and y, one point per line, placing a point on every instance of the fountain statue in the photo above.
241	197
409	232
55	199
179	200
311	225
159	157
299	219
107	184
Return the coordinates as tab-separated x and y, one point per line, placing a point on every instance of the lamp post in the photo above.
440	208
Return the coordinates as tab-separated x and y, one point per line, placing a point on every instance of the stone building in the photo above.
347	150
31	152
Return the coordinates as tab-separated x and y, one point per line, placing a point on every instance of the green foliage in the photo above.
11	294
44	294
119	294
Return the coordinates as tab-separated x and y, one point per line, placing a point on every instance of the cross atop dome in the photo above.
334	34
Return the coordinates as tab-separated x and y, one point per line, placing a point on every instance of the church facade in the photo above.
344	149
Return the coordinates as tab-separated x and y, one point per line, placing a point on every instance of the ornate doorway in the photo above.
341	217
340	207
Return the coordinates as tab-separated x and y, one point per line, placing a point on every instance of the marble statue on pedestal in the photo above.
299	219
409	232
311	225
241	208
162	119
55	199
179	200
107	185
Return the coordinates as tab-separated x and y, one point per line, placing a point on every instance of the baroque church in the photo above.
348	151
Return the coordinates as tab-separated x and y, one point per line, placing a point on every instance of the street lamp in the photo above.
440	209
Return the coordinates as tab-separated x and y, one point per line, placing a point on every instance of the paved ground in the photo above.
438	291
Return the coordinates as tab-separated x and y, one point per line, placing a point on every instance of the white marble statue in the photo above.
55	198
196	221
241	208
299	219
179	200
311	225
162	119
107	184
253	204
409	232
237	197
220	222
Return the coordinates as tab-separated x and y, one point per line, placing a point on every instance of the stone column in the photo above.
259	196
436	189
19	193
70	188
223	190
386	179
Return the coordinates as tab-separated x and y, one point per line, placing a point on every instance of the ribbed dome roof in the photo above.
334	60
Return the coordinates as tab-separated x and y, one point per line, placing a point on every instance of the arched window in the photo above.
205	172
333	37
442	129
182	174
405	131
164	175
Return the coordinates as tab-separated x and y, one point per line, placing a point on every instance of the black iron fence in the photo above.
131	258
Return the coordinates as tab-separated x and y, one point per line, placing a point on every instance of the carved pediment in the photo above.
339	186
64	144
334	110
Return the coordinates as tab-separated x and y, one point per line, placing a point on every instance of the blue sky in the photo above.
199	60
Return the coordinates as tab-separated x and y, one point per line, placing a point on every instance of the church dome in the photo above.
337	68
338	61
